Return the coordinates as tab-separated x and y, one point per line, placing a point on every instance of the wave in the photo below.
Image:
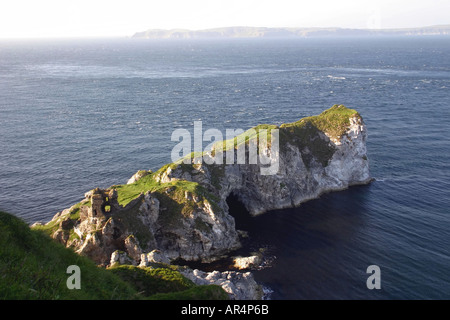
335	78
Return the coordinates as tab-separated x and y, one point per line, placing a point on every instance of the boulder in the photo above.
242	263
238	285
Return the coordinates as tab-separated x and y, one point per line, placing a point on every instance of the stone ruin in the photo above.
103	204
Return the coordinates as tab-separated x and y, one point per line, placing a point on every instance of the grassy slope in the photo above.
33	266
333	121
171	195
127	192
305	133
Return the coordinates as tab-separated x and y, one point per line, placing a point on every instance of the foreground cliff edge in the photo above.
34	266
180	212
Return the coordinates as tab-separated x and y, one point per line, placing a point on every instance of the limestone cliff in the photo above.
181	210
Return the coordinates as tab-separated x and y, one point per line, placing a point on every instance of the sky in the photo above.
110	18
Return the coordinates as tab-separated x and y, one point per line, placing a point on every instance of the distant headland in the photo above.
262	32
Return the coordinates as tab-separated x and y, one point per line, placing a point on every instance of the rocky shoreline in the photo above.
181	210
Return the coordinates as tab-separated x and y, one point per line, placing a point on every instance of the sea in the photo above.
76	114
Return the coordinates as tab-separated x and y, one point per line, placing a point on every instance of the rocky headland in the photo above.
180	212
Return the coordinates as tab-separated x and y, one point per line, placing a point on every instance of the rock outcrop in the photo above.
247	262
181	210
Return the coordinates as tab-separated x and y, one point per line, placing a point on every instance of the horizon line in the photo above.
61	37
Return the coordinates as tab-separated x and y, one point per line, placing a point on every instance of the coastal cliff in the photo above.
181	210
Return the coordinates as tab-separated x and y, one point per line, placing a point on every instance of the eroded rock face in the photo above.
297	179
154	256
144	225
181	209
128	229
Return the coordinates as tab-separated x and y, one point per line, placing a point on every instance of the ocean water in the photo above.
79	114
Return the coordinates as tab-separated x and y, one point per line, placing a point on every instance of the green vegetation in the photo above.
150	281
306	133
303	133
73	215
334	121
33	266
128	192
68	219
177	197
252	134
49	228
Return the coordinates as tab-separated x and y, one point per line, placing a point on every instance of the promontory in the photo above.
181	212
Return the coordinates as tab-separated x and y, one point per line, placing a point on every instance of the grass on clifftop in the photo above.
33	267
172	195
127	192
252	134
308	133
334	122
305	132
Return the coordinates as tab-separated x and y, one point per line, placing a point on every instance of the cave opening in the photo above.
239	212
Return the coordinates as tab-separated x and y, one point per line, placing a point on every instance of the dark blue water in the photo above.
79	114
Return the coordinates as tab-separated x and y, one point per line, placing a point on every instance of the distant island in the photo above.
261	32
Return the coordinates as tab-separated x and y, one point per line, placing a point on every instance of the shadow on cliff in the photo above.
239	212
